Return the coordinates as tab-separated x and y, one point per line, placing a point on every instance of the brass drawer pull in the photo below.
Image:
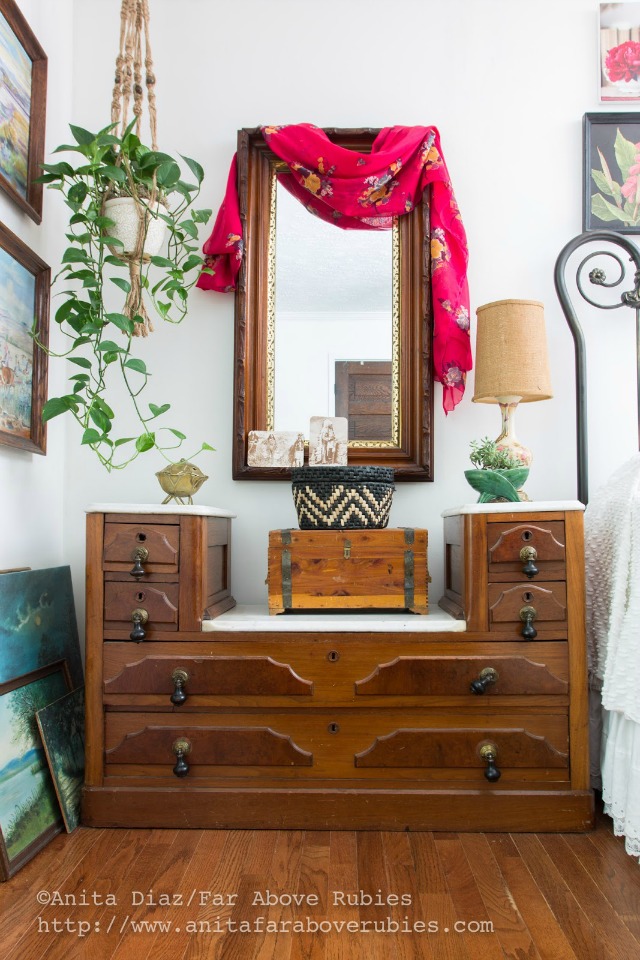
181	748
489	753
179	678
528	555
486	677
139	556
139	616
528	615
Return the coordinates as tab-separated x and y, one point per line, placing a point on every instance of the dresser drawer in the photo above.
509	603
338	744
505	541
158	545
158	600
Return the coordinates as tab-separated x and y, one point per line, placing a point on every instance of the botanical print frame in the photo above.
619	53
25	280
23	100
611	172
61	726
29	811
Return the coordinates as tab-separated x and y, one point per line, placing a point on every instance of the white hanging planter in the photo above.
125	213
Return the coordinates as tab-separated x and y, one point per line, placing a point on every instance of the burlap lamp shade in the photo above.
511	363
511	352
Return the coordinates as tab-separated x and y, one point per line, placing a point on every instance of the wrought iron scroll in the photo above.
631	298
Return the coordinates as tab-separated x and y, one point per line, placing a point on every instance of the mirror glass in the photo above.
333	346
330	322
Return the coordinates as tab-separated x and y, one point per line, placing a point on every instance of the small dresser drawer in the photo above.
158	601
154	546
543	604
510	545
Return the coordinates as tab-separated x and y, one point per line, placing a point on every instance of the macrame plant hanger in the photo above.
134	33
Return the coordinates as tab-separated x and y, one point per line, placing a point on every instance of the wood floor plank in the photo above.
313	883
401	880
223	883
343	880
283	879
373	882
547	933
607	924
253	876
436	905
567	908
487	919
167	879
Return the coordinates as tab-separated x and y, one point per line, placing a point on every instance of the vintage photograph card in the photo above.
328	441
275	448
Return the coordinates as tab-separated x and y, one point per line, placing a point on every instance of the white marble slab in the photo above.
257	617
189	509
524	506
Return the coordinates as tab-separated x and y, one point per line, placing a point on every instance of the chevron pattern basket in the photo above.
342	498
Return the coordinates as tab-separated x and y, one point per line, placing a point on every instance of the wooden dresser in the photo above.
473	718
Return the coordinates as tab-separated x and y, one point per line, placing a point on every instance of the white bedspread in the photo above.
612	545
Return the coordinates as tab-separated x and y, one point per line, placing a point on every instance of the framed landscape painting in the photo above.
24	309
23	95
61	726
611	172
29	810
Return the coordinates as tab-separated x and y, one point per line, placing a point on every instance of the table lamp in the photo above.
511	364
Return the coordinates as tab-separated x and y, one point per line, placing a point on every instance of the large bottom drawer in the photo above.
339	744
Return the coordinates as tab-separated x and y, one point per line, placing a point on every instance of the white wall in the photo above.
506	83
31	486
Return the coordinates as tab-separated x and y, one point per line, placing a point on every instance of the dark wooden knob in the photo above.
527	556
140	556
179	678
181	748
484	679
139	616
528	615
489	753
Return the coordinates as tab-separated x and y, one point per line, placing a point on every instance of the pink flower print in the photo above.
453	375
462	318
631	187
439	249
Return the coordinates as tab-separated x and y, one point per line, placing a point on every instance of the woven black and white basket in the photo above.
342	498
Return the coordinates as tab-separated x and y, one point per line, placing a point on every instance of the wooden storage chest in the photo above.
348	570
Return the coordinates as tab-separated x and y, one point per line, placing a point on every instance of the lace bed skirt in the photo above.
620	765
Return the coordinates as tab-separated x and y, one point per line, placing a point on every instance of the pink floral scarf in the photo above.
367	191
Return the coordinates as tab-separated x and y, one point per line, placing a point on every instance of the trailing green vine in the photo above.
100	340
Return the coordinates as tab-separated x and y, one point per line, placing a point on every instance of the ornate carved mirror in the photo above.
331	322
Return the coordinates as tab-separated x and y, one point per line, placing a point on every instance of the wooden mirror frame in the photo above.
412	458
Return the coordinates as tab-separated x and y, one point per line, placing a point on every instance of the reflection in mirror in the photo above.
375	369
333	347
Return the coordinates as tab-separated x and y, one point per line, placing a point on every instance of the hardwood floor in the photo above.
289	895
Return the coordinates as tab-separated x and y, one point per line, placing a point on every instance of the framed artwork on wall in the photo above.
611	172
23	98
619	40
24	309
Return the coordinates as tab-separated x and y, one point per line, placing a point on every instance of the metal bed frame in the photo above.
630	298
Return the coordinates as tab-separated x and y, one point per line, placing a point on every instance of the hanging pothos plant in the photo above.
96	265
